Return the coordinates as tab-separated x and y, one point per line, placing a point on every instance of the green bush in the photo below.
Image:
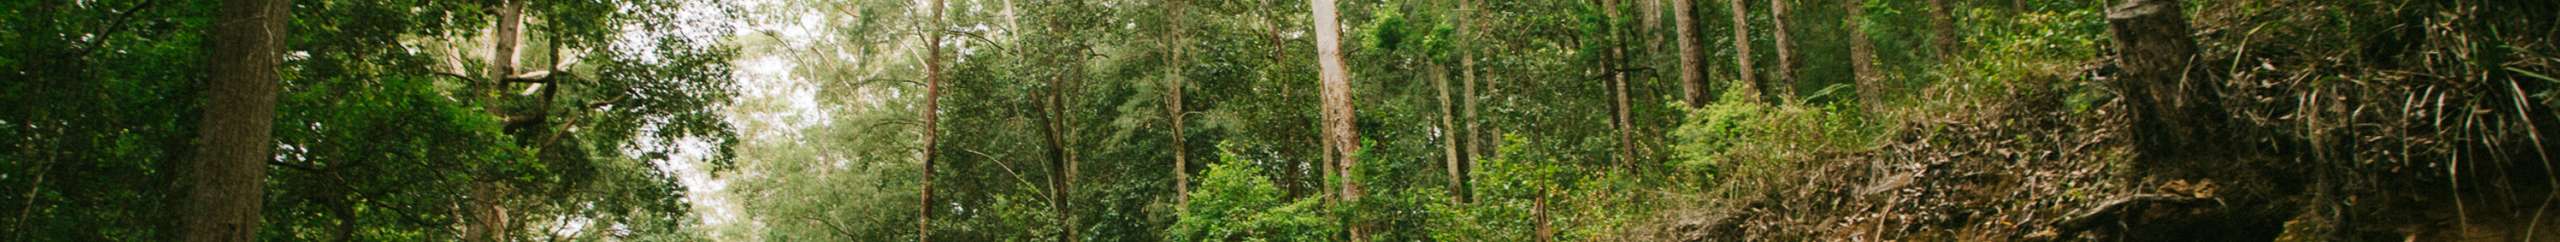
1235	203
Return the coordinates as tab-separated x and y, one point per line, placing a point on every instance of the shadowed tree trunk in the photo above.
2173	108
932	109
1173	103
1618	86
1750	84
224	191
1693	87
1862	59
1338	115
1784	85
1467	87
1942	26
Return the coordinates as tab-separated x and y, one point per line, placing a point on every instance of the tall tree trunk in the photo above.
1862	61
489	218
229	169
1693	87
1618	86
1467	99
1742	51
1173	105
1448	132
932	117
1338	112
2174	110
1943	31
1785	83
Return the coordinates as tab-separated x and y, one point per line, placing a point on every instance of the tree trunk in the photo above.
2174	110
1742	51
489	212
1693	87
1338	112
1618	86
1471	137
1173	105
1942	24
1862	59
932	110
1785	83
1448	132
229	170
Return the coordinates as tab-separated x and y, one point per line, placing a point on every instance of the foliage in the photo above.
1234	202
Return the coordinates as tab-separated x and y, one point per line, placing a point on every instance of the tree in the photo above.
1742	51
1862	58
1625	122
230	168
1693	90
1786	73
932	35
2174	109
1338	112
1942	28
1173	100
1473	137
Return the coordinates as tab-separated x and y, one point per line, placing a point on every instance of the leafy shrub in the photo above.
1235	203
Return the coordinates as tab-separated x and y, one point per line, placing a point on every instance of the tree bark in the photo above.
1448	132
1785	83
2174	109
489	220
1471	138
1742	51
1338	111
1862	54
1943	27
1693	87
932	117
1618	86
1173	105
226	188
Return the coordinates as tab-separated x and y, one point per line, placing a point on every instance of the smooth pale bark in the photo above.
1693	86
1448	132
1173	104
1742	51
1618	87
1862	59
1338	115
489	213
932	110
1785	82
1467	96
225	189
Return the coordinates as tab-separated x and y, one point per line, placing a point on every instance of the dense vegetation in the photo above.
1278	120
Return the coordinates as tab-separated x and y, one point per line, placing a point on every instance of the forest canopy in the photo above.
1278	120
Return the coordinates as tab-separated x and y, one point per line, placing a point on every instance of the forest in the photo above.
1279	120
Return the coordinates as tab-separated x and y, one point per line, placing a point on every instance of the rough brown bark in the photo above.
1862	59
1693	87
1173	105
1742	51
1942	26
1338	115
932	110
2173	109
225	187
1785	83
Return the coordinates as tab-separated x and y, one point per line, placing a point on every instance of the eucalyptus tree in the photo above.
224	193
